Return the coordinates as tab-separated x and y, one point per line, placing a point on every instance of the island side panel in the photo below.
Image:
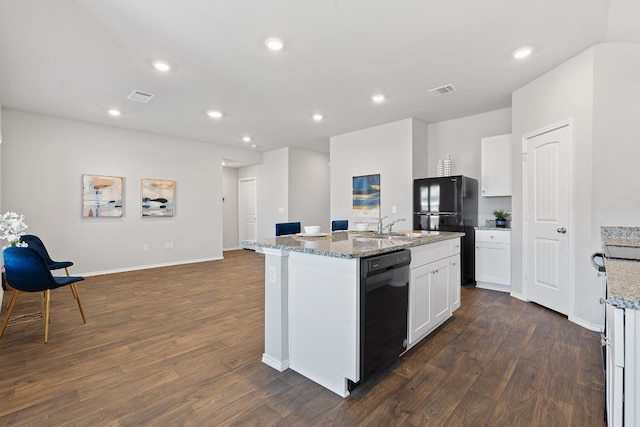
324	313
276	309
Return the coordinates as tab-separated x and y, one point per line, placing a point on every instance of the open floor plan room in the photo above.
182	345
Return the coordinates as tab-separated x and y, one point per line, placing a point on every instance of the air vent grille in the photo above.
442	90
140	96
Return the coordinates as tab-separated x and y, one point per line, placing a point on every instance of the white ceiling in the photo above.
77	59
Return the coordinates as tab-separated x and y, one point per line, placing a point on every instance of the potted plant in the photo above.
501	217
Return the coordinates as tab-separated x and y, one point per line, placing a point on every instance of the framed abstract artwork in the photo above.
101	196
366	198
158	197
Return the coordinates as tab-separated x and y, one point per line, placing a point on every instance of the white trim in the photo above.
518	296
275	363
525	198
146	267
587	325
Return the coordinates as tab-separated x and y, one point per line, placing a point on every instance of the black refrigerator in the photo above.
449	203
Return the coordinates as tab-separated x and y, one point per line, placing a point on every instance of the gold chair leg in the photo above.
75	292
73	289
12	304
47	299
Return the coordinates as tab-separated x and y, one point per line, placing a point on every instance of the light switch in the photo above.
394	209
280	210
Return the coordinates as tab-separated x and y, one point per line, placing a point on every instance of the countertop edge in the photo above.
397	245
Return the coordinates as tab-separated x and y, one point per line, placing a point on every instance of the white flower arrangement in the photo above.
12	226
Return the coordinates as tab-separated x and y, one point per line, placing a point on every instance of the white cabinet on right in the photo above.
495	165
493	260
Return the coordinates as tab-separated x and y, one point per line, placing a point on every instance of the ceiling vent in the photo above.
442	90
140	96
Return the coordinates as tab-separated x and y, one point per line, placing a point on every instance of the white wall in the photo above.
230	208
282	186
461	139
386	150
44	158
565	92
616	136
309	188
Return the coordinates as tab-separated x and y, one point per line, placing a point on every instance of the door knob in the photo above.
561	230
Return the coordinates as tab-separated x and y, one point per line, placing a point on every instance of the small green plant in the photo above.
501	215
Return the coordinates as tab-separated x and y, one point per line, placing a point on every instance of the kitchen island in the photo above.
621	246
312	297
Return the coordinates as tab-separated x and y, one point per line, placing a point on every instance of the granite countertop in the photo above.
348	244
623	276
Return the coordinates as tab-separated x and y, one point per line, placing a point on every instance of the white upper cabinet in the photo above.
495	162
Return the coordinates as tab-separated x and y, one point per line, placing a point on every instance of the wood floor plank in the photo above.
182	346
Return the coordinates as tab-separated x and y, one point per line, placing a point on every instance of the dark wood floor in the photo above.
182	346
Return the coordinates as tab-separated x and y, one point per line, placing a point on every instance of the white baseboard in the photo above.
146	267
275	363
493	286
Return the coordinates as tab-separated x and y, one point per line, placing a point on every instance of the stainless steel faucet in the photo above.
389	226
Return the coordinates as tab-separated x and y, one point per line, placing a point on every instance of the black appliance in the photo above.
449	203
384	303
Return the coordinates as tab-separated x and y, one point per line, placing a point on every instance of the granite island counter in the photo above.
621	340
312	297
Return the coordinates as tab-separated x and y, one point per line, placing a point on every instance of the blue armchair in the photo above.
34	242
339	225
283	228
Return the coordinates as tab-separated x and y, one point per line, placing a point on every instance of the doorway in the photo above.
548	199
248	216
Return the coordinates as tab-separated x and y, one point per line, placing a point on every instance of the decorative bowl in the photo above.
362	226
311	229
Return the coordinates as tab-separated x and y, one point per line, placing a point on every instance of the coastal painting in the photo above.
101	196
158	197
366	198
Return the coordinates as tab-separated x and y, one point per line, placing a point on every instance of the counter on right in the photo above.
621	337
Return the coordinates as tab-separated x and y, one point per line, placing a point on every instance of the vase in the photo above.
501	223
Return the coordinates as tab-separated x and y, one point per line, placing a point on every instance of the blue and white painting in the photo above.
366	198
158	197
101	196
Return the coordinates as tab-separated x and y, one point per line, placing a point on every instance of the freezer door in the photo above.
438	194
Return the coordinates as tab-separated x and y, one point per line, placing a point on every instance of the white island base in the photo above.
312	306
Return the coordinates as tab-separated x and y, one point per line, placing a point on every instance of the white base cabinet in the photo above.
434	287
622	341
493	260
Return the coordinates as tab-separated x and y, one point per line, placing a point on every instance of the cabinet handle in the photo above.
604	301
604	341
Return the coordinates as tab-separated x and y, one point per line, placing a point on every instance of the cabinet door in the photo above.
439	283
495	164
615	364
493	263
428	298
454	282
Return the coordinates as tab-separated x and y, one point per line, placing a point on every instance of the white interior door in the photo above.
547	168
248	212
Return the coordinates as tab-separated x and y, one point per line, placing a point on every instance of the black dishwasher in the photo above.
384	301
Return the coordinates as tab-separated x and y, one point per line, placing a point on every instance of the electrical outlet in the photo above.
145	247
394	209
170	245
166	245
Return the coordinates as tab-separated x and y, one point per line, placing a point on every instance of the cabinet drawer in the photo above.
425	254
454	245
493	236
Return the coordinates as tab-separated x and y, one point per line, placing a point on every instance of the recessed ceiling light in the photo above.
378	98
161	66
254	145
274	43
317	117
214	114
523	52
113	112
246	138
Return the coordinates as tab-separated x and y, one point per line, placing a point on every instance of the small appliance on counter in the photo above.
449	204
